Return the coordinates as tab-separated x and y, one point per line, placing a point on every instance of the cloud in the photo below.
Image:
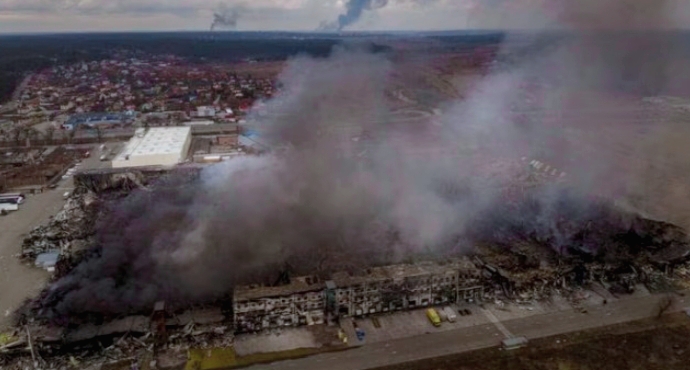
128	15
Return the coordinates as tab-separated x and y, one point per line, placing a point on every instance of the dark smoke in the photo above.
319	207
330	203
355	8
226	17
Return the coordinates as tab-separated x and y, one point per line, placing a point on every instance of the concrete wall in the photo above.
148	160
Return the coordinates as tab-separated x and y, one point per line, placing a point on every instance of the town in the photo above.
171	211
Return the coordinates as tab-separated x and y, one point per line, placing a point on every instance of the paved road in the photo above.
476	337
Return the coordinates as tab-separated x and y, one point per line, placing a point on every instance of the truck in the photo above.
433	316
5	208
450	314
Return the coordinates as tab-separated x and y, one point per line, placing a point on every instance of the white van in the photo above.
450	313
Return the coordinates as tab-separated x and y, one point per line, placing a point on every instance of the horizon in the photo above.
345	33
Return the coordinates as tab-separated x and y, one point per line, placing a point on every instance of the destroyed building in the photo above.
409	286
307	300
300	302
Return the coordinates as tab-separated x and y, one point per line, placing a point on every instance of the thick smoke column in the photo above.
355	8
226	17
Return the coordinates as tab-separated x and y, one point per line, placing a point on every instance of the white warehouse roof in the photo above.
159	146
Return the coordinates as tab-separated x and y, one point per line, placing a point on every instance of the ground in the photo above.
18	281
647	344
409	337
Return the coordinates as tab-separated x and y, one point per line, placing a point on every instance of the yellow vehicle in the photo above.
433	316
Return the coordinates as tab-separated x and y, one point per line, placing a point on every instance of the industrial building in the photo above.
98	119
301	302
309	300
159	146
205	111
402	287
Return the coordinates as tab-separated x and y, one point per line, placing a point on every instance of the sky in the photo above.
22	16
29	16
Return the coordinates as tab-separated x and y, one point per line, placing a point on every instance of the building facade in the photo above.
307	300
299	303
403	287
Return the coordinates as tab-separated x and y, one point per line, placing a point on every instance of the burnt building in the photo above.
403	287
308	300
301	302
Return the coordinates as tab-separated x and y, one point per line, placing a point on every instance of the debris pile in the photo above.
66	232
164	338
100	181
58	244
533	252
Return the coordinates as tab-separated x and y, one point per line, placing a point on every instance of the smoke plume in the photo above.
355	8
226	17
353	188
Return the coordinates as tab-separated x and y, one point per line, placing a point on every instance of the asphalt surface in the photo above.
477	337
19	281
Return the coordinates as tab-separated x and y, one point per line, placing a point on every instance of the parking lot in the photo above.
398	325
408	324
18	281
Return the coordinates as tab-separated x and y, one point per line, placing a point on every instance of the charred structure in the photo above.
309	300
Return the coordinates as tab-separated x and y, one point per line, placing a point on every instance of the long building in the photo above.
159	146
309	300
299	303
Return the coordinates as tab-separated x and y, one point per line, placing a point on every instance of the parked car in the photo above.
451	316
433	316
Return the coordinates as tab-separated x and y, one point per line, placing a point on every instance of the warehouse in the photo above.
159	146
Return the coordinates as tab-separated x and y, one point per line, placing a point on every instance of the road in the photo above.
20	88
476	337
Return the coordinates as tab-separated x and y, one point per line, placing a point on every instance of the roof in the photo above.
215	129
157	140
48	259
344	279
199	123
297	285
92	118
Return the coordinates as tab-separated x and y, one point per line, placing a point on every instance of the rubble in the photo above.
65	232
100	181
